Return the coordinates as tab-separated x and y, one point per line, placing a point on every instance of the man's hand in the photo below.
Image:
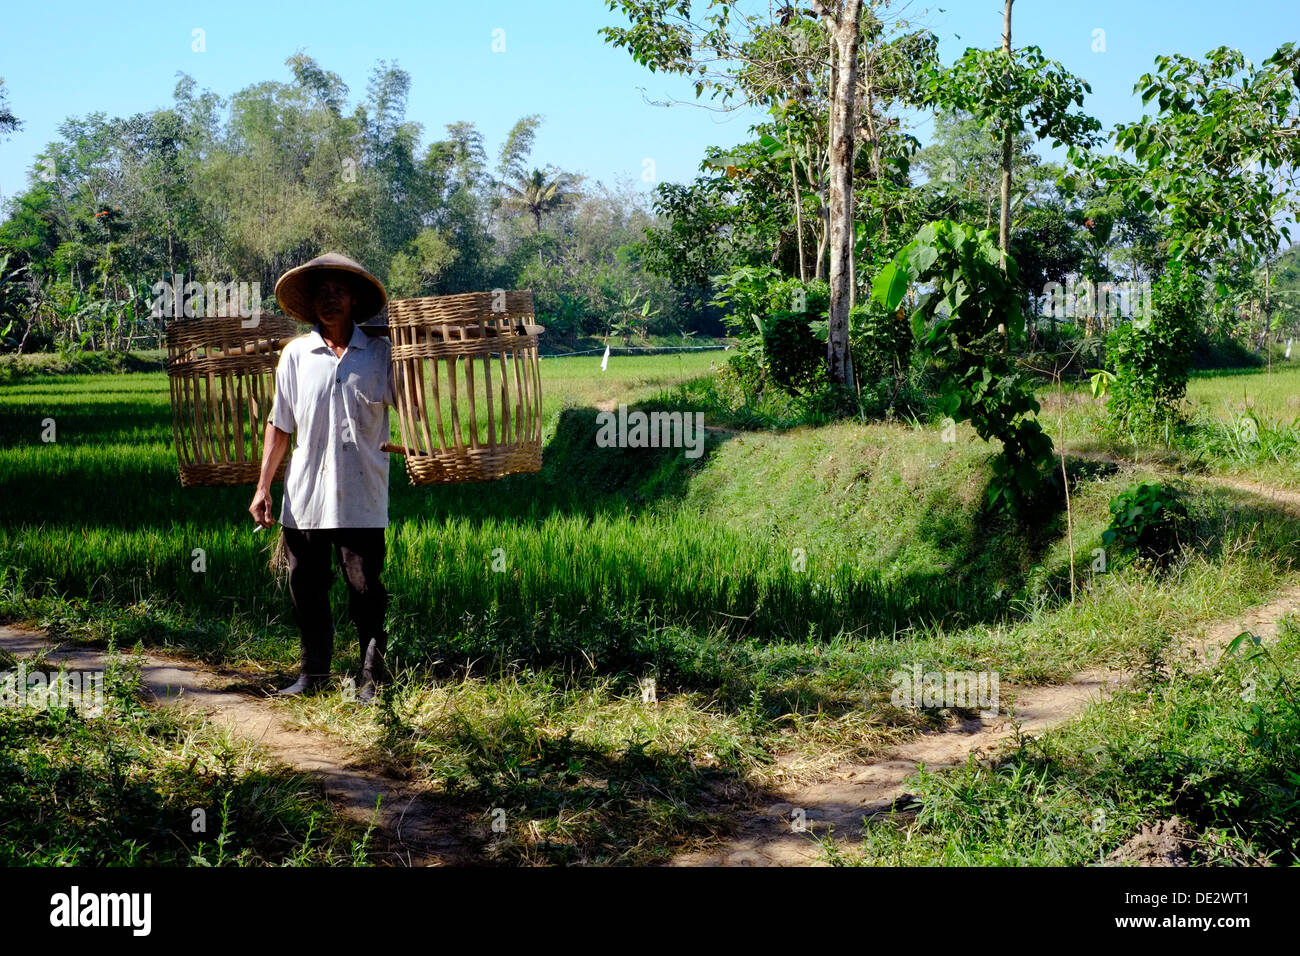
260	509
275	443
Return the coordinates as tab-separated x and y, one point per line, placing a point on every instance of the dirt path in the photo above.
836	806
412	827
784	831
1284	496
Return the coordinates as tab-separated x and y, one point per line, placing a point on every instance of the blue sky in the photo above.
74	58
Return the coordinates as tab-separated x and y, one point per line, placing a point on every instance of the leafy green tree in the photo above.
538	194
398	195
415	270
1047	248
30	233
1217	160
860	56
1010	92
512	163
458	165
974	293
962	165
701	231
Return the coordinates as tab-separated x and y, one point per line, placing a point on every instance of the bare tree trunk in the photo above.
798	206
823	201
853	273
1268	324
823	224
845	38
1004	224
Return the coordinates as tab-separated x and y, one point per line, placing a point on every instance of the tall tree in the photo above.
512	164
538	193
1011	91
664	36
1004	211
963	169
842	19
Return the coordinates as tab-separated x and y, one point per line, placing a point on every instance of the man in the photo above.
333	387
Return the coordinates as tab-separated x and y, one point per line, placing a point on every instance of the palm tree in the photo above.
537	194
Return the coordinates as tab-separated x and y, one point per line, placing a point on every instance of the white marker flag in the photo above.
1288	348
604	362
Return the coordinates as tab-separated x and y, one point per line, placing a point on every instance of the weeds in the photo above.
133	786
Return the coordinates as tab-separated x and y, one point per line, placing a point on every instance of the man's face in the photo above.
333	300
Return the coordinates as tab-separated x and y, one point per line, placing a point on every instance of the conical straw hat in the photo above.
293	290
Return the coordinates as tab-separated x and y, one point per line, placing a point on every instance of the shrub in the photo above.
1152	356
881	342
795	356
773	319
1146	518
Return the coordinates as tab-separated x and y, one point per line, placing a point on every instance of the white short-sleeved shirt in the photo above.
337	409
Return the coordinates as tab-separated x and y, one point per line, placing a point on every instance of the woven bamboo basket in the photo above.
469	385
222	379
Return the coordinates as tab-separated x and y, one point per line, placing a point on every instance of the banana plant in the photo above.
12	302
627	320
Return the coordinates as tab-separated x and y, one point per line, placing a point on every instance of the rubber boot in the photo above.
374	670
305	684
314	670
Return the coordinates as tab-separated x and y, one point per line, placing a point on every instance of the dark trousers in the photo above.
311	572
